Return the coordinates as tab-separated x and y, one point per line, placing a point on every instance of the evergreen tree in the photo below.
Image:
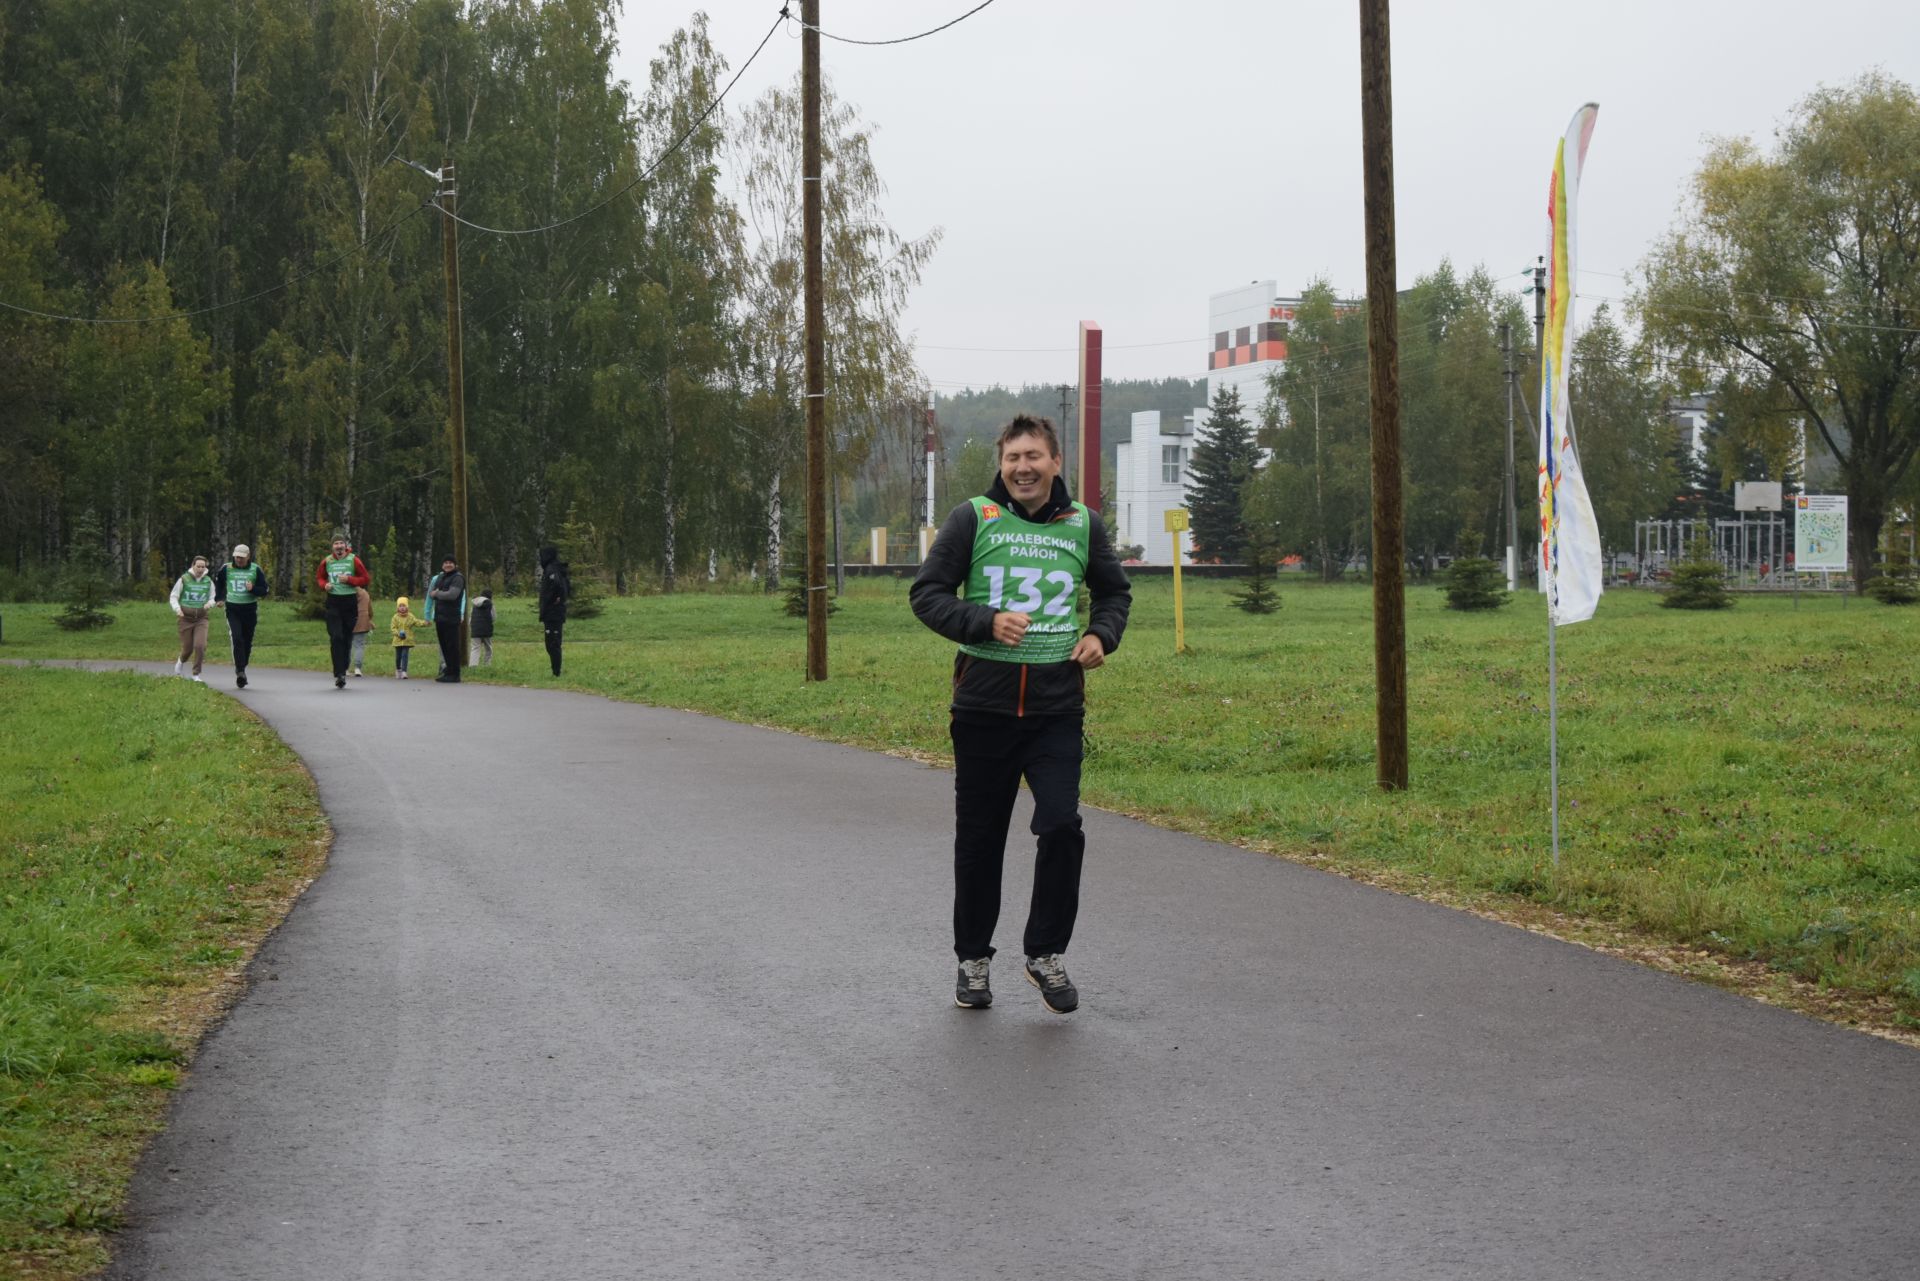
1256	594
85	582
1697	584
1474	582
578	547
1896	583
795	597
1223	462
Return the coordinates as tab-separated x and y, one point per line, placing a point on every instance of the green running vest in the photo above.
337	574
195	593
1032	569
240	584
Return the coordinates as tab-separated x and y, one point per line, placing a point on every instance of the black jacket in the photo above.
982	685
556	587
480	618
253	567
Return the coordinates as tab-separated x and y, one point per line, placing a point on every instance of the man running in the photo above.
238	587
339	574
1002	579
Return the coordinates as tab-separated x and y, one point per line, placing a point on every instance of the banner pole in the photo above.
1553	731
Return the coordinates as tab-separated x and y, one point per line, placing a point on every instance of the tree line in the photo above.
223	184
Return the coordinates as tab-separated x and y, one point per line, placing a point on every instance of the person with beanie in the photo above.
338	575
480	627
238	587
405	628
192	600
362	628
449	596
556	588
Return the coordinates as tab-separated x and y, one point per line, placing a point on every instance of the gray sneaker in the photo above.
970	990
1057	991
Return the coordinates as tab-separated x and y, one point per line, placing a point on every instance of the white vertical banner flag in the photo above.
1570	563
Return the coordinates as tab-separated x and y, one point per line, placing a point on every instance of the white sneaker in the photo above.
176	668
198	681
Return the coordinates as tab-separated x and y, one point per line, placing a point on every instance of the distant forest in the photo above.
969	414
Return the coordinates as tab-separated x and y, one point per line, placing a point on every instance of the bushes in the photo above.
84	583
1697	584
1896	583
1474	582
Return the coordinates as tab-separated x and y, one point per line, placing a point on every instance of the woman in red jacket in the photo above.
338	575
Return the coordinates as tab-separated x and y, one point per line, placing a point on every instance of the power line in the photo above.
651	169
906	39
365	246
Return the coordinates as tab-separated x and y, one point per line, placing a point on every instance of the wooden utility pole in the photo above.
816	324
456	398
1383	361
1513	511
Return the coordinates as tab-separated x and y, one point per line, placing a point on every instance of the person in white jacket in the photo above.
192	601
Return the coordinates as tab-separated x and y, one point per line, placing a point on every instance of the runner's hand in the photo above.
1090	652
1008	628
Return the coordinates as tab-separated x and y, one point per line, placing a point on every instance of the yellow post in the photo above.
1176	523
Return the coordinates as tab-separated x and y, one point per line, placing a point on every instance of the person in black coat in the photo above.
556	588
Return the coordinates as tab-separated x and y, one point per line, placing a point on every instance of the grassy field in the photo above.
149	838
1740	784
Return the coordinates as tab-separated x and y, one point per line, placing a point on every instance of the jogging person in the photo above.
238	587
192	602
1002	579
339	574
447	595
556	588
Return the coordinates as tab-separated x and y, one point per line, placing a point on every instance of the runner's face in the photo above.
1028	467
339	548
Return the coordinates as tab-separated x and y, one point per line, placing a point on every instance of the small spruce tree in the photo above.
1223	462
579	544
84	580
311	601
1256	594
1697	584
1474	582
795	597
1896	583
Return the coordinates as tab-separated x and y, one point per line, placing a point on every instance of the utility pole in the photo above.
1513	513
1383	364
816	325
456	396
1066	443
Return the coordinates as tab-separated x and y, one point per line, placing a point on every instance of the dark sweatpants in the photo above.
343	612
241	620
448	632
990	755
553	643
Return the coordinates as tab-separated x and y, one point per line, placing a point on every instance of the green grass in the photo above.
149	836
1740	782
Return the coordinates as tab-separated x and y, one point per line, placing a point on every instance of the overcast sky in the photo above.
1119	160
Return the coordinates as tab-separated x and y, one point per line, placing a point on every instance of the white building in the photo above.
1149	479
1249	327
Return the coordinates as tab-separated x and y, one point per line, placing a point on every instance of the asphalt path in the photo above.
596	990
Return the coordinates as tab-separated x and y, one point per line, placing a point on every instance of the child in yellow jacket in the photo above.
403	626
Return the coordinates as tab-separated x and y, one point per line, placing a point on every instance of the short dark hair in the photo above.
1028	425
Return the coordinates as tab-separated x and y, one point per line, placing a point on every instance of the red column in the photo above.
1088	469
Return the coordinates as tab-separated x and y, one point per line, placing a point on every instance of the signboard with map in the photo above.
1820	532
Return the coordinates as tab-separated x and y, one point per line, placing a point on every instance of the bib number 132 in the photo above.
1027	595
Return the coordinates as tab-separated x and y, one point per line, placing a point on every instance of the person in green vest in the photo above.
1002	580
238	588
192	599
338	575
